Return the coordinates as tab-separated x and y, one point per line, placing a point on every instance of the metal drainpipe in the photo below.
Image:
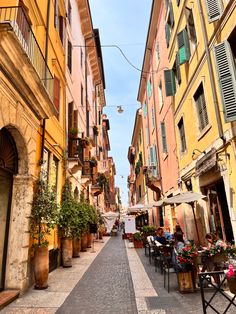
43	140
210	68
96	118
86	89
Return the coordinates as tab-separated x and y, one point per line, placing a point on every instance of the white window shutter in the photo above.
227	79
214	10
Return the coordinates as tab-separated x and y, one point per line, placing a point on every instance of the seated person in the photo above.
179	243
167	234
160	236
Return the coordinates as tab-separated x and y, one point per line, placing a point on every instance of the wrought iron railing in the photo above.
17	18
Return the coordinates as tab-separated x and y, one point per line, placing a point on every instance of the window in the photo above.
158	51
61	29
169	23
182	136
183	45
56	13
139	191
70	116
201	107
147	135
144	110
54	173
153	160
170	82
153	117
177	2
81	58
163	136
191	27
176	69
160	95
45	165
214	10
225	54
56	96
149	88
82	95
69	56
69	12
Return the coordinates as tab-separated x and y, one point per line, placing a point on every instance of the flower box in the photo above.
185	282
138	244
219	258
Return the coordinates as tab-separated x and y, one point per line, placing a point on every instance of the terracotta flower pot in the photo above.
76	247
89	240
84	241
41	267
67	251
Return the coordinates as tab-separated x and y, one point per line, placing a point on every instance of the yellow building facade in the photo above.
200	38
32	124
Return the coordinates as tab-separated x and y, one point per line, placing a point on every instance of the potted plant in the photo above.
73	132
95	130
67	223
93	162
231	279
43	218
137	240
81	226
185	264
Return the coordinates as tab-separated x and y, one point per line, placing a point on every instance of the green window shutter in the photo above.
178	73
227	79
167	31
153	117
170	82
163	136
171	15
214	10
149	89
155	170
144	110
183	44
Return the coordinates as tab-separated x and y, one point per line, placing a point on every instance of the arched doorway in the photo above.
8	167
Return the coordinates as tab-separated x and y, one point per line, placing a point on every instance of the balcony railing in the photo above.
17	18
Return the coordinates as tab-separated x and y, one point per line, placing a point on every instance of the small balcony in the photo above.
96	189
25	55
17	18
75	151
152	178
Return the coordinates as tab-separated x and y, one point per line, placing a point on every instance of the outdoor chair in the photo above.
157	257
168	266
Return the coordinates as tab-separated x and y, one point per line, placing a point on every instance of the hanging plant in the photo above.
95	130
93	162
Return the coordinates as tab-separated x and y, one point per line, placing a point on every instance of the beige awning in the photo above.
187	197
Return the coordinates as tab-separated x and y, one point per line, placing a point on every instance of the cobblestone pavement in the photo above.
106	288
175	302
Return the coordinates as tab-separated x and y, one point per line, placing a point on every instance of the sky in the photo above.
123	23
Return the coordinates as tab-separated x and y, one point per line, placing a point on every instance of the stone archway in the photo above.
17	250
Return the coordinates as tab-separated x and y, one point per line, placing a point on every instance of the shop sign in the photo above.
206	163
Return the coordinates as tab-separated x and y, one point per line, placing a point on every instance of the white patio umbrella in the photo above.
139	208
186	197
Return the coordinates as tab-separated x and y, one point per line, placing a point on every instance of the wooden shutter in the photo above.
214	10
170	85
227	79
155	170
178	72
56	97
70	116
167	32
69	56
182	135
171	15
56	13
201	108
163	136
153	117
144	110
75	119
149	89
158	51
61	29
183	44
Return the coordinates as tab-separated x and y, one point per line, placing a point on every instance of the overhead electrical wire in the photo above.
125	57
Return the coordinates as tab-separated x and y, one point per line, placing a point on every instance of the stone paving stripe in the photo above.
143	287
